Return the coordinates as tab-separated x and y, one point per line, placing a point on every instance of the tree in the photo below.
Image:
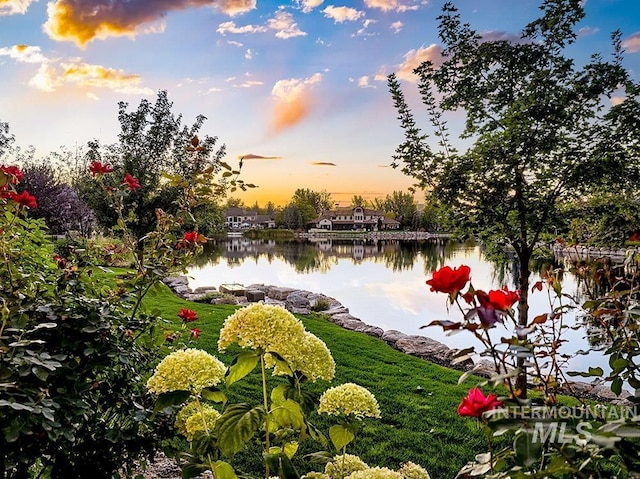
403	207
540	129
58	204
320	201
153	141
358	201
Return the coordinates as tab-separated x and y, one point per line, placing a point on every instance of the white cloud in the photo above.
248	54
342	14
24	54
308	5
231	27
392	5
397	26
13	7
285	25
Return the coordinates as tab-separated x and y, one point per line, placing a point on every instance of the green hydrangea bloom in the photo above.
185	413
375	473
186	370
343	465
409	470
264	327
349	399
315	475
312	358
196	422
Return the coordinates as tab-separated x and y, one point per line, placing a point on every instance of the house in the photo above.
239	218
349	219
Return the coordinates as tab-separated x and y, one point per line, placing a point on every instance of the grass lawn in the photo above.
418	399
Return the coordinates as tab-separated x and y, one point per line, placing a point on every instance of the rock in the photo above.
254	295
426	348
235	289
205	289
392	336
338	318
333	310
175	280
297	300
361	327
279	293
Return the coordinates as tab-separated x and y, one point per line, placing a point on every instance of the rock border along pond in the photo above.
305	302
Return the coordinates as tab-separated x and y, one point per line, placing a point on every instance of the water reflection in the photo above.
382	282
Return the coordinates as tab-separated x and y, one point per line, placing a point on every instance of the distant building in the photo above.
239	218
349	219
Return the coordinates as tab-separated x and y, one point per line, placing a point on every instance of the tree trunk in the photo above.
523	317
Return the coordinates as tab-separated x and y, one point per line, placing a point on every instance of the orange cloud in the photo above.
251	156
13	7
632	43
293	101
49	79
414	58
24	54
82	21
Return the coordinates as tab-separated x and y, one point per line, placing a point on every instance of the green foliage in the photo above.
538	127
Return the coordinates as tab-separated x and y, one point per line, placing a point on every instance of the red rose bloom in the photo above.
14	173
98	168
447	280
195	332
501	299
188	315
24	199
190	237
131	182
476	403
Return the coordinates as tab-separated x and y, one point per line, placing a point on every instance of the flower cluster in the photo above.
188	315
11	175
98	168
344	465
475	404
131	182
490	308
263	327
349	399
376	473
410	470
204	420
186	370
312	359
185	413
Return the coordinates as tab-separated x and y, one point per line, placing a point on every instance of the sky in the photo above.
296	87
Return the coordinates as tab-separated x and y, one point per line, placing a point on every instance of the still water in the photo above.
381	282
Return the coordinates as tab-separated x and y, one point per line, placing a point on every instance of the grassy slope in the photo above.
418	399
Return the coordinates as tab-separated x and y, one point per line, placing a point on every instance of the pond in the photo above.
381	282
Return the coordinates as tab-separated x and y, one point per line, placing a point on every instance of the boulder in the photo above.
426	348
279	293
392	336
255	295
297	300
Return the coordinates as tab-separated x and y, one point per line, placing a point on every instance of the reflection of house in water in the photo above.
356	249
241	247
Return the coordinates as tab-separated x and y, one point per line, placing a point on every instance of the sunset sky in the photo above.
300	86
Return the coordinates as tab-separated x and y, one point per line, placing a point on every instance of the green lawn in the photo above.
418	399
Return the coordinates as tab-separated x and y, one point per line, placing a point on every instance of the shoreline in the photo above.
305	302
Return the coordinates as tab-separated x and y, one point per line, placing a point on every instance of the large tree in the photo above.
541	128
153	141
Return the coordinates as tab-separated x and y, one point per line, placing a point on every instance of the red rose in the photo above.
14	173
190	237
131	182
188	315
447	280
24	199
98	168
501	299
195	332
476	403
